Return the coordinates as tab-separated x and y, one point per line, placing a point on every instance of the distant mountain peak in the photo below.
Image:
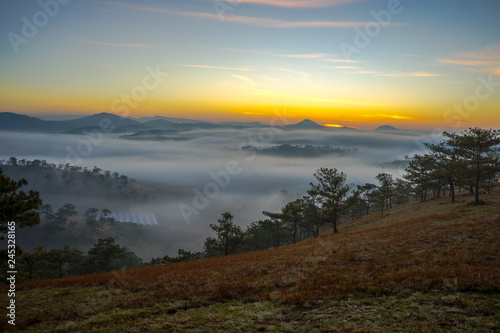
305	124
307	121
386	128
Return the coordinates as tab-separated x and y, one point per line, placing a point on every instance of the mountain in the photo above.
241	124
96	119
162	124
61	117
424	266
386	128
305	124
170	119
105	121
20	123
149	121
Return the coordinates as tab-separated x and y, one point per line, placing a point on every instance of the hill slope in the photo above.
435	265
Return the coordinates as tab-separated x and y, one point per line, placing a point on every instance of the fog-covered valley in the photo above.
210	172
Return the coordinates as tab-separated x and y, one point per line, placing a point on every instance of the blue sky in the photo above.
257	56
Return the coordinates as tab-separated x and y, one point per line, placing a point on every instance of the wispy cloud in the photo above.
486	59
245	79
142	46
258	21
296	3
411	74
272	79
365	72
469	62
305	76
244	50
346	61
218	67
307	56
423	74
398	74
396	116
341	67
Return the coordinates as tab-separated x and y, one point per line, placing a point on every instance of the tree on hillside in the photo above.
334	193
31	261
402	191
276	227
367	193
16	205
182	256
448	161
311	208
480	149
385	190
91	217
419	173
107	255
230	237
292	214
62	258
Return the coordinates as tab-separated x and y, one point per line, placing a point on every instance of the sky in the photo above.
412	64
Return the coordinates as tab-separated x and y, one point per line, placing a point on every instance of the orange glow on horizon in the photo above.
339	126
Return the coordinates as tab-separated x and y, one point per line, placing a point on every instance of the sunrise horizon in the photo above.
359	64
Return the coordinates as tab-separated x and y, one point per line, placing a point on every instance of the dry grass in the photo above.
419	247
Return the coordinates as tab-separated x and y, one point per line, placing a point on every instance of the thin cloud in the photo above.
365	72
307	56
341	67
469	62
487	59
397	117
244	51
142	46
305	76
346	61
218	67
400	74
411	74
296	3
268	78
245	79
258	21
423	74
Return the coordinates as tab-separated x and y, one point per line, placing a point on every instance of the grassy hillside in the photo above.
427	266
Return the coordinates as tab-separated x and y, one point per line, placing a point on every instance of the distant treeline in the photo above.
104	256
77	180
290	150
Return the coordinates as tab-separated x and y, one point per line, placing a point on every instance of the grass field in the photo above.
424	266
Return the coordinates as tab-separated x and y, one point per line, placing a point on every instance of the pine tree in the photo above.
230	237
334	192
480	149
17	206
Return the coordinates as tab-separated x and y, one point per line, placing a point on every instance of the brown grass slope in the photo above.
432	246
